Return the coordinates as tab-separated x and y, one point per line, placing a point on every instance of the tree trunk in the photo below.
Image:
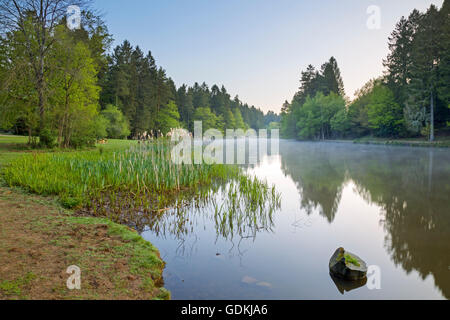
29	135
63	122
40	89
432	117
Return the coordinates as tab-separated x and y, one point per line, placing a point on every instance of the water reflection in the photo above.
319	174
347	286
240	210
399	195
411	185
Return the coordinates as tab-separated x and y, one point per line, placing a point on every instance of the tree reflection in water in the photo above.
411	185
240	209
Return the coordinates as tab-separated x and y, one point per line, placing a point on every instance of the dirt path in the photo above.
39	241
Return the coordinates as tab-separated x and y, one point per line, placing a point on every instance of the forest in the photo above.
411	99
68	87
65	87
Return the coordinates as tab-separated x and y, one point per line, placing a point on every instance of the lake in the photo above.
389	205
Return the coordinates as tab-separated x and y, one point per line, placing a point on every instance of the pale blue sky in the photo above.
257	48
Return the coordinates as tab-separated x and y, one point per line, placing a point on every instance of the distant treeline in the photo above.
150	100
62	88
411	99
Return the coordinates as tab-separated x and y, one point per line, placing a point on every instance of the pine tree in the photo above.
238	120
399	60
185	106
229	120
330	79
425	61
443	87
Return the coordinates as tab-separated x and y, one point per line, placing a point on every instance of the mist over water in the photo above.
389	205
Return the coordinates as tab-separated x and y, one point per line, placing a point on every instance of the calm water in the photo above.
389	205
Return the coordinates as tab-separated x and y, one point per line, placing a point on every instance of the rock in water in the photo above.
345	286
348	266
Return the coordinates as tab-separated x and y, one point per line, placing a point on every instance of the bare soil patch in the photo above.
39	240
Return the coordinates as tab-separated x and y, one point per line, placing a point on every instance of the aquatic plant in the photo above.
133	185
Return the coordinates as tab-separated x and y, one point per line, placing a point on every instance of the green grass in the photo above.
92	178
440	142
15	287
122	178
11	148
18	141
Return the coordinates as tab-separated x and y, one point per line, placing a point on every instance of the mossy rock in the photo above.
348	266
345	286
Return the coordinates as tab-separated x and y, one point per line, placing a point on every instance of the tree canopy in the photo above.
410	99
65	88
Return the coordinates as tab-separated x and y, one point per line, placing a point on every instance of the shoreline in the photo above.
401	143
40	240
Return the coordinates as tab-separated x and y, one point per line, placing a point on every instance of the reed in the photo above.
121	182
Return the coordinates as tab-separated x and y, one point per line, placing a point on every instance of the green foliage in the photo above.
288	122
418	69
118	181
208	118
75	90
384	114
357	110
330	79
229	120
18	96
169	118
116	124
101	126
47	138
238	120
271	117
411	99
273	126
52	73
52	89
185	106
309	120
143	92
340	123
314	118
310	113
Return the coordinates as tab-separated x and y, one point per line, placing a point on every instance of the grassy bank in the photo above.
39	239
118	183
441	142
121	182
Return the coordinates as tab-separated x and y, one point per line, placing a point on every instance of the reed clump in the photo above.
120	183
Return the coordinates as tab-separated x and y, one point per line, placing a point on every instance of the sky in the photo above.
258	48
